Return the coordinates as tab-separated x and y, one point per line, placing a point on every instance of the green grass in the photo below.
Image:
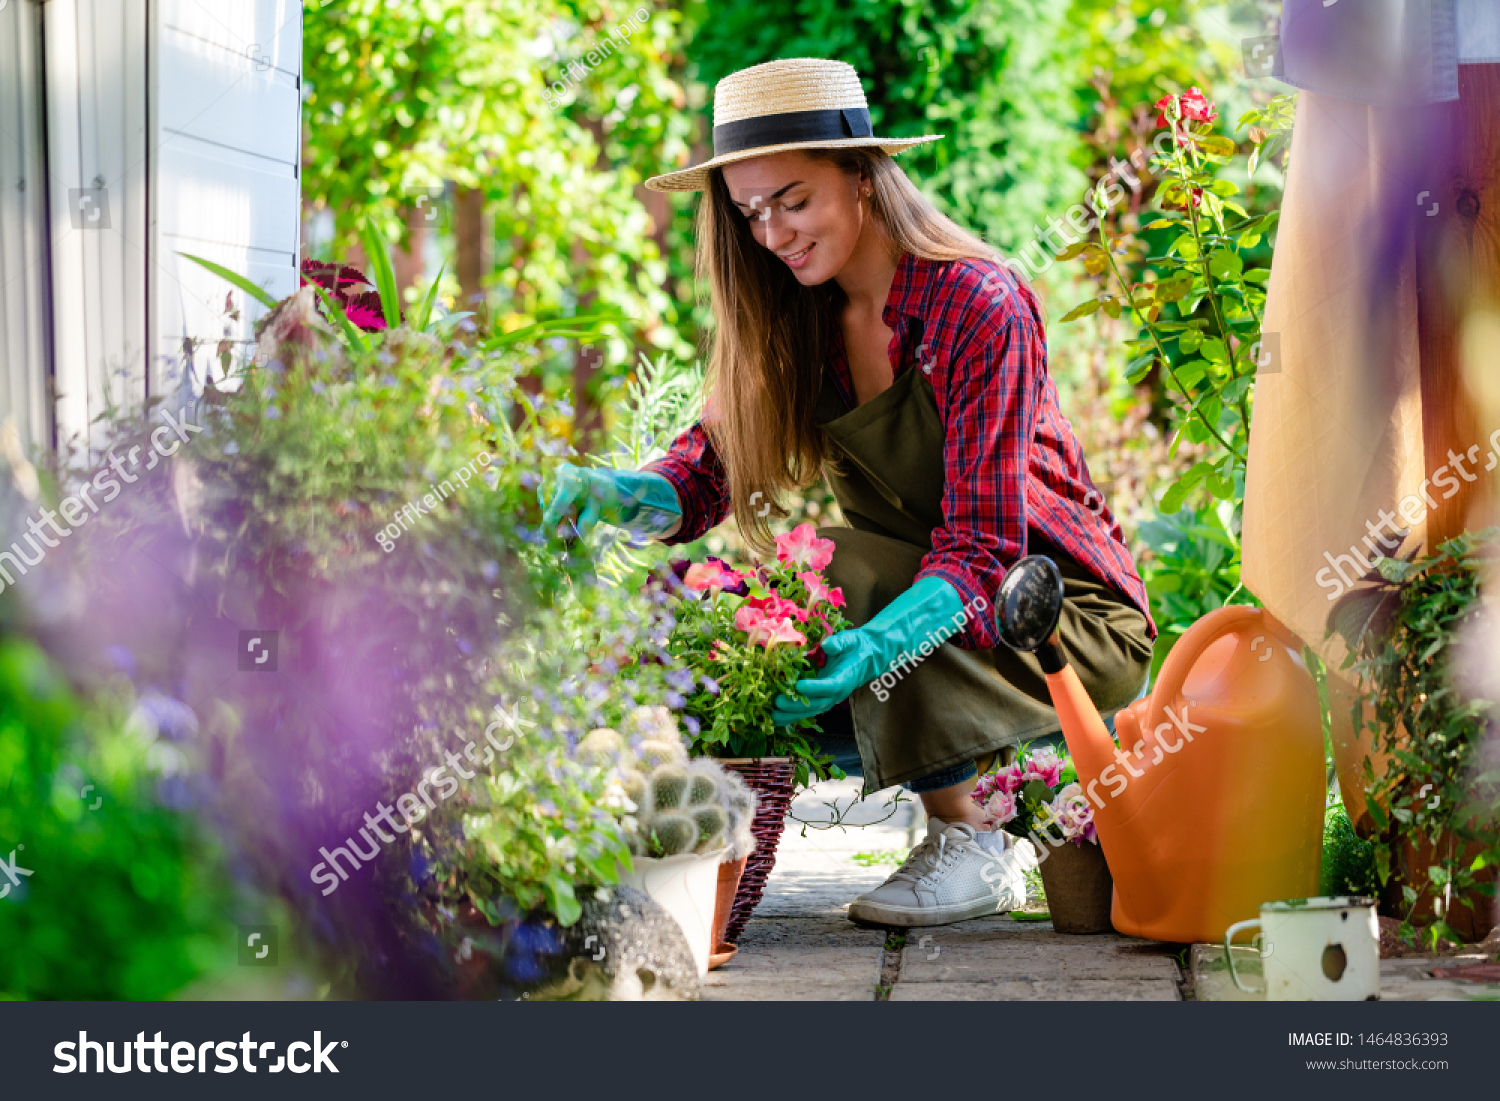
888	856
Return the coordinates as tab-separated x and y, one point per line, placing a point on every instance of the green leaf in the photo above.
1083	309
1225	188
1191	372
1214	351
1258	275
1139	367
237	280
1190	341
1111	306
1218	146
1230	204
1225	264
1163	222
385	276
1185	247
424	313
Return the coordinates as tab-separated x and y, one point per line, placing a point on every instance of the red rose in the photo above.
1193	104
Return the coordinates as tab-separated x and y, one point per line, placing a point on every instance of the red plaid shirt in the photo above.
1013	464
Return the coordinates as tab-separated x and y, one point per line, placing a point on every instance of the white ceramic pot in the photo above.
1315	950
686	887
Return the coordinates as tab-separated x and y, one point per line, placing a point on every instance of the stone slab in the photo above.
1402	980
930	958
1056	990
793	973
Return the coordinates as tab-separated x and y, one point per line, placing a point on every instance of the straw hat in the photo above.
798	103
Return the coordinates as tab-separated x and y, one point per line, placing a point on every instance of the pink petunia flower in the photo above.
803	548
819	590
766	630
710	576
783	631
778	607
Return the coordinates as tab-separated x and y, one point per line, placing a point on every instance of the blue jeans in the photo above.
836	738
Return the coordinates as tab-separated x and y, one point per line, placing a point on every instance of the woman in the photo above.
863	335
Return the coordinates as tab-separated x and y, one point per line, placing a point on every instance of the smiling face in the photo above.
808	212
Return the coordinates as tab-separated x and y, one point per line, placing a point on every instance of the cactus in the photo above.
682	804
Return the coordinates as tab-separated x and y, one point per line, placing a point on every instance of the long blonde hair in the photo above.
765	368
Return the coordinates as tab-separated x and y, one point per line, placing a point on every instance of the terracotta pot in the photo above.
1079	887
729	884
771	780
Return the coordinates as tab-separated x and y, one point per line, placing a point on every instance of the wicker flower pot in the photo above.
771	780
1079	887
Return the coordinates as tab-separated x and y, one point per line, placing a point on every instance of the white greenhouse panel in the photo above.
25	354
269	31
223	98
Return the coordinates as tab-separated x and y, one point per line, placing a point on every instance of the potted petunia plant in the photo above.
749	636
744	637
1038	796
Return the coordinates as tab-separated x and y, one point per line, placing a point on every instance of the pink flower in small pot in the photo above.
999	808
819	590
803	548
1044	765
711	576
1010	778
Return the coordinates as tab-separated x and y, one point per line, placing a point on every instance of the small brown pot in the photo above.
1079	887
729	883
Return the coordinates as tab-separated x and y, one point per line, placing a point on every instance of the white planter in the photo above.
684	886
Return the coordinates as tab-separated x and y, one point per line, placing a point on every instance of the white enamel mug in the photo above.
1314	950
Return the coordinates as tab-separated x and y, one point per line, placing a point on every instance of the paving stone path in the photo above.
801	947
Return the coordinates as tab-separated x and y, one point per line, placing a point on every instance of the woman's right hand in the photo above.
643	503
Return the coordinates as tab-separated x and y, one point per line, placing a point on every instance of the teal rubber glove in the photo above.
930	610
642	503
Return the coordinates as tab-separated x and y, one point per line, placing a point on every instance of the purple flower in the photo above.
680	679
691	724
710	685
674	700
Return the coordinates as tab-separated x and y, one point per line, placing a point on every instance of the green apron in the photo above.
885	467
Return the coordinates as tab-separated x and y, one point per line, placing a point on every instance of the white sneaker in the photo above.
952	875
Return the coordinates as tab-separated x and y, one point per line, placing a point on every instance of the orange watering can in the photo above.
1212	803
